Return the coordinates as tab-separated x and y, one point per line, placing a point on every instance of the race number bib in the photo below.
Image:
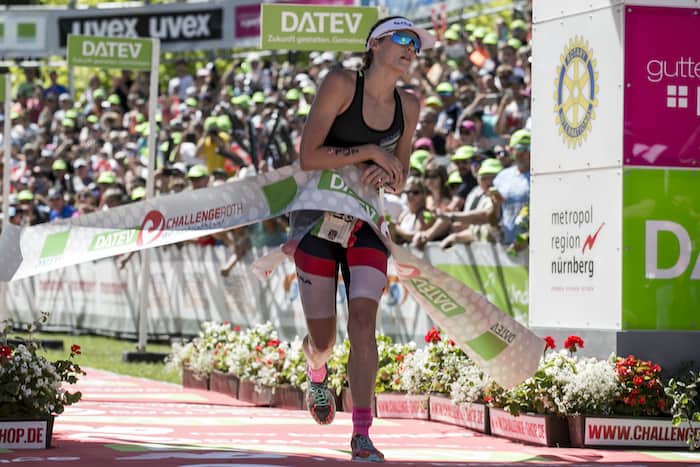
336	227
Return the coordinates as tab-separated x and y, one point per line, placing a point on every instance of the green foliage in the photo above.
686	404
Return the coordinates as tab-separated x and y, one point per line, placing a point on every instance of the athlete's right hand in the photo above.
390	163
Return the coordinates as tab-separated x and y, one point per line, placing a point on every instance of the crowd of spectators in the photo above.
469	174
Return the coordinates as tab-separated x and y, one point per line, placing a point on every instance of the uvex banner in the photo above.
315	27
108	52
507	350
171	26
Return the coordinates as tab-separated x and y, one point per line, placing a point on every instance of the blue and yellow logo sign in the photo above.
576	92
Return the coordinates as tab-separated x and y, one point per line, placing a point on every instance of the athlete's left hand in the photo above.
375	176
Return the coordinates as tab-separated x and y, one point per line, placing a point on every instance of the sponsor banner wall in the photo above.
661	260
575	250
637	432
109	52
186	288
315	27
662	87
577	98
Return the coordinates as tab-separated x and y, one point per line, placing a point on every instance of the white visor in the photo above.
402	24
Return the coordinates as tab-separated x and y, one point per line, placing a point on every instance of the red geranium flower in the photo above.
452	343
572	343
638	381
432	336
258	348
5	351
549	343
236	328
399	358
273	343
75	348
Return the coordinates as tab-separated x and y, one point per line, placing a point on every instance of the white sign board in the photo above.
637	432
577	96
575	256
24	434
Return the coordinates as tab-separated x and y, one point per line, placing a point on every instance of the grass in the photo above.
105	353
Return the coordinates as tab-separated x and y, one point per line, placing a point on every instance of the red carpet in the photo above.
130	422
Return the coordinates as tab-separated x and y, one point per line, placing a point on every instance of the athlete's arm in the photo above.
335	94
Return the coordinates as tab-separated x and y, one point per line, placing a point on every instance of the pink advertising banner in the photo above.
662	87
247	17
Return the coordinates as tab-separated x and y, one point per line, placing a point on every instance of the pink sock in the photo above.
317	376
361	420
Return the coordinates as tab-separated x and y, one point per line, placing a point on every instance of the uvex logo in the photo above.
652	270
187	26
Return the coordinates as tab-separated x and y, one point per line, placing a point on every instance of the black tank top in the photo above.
349	128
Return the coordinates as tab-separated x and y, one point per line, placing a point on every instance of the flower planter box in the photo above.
193	381
648	432
290	397
26	433
264	396
224	383
399	405
545	430
346	401
473	416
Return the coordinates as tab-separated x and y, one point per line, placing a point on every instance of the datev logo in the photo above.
652	270
575	92
151	228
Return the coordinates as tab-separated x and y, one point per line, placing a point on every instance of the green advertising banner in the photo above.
315	27
661	256
2	88
110	52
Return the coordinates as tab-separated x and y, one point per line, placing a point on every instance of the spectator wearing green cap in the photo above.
452	108
31	212
481	222
417	161
519	30
214	145
513	184
198	175
60	177
463	158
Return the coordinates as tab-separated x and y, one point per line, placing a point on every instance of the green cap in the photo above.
59	164
515	43
517	24
198	171
470	27
479	33
98	93
433	100
292	95
142	128
418	159
258	97
455	27
68	123
25	195
211	122
114	99
92	119
107	178
309	90
303	110
445	88
451	35
138	193
453	64
454	178
72	114
520	137
243	100
140	117
224	123
491	39
463	153
176	136
490	167
191	102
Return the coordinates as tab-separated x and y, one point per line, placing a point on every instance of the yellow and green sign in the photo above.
314	27
661	250
110	52
2	88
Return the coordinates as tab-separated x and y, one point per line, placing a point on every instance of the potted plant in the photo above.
225	339
685	408
259	359
468	395
338	375
293	378
32	390
530	411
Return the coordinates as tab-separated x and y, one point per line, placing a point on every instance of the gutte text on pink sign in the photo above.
662	87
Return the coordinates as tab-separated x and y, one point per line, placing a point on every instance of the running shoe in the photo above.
320	401
364	451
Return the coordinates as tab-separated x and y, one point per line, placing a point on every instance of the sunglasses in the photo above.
413	192
405	38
